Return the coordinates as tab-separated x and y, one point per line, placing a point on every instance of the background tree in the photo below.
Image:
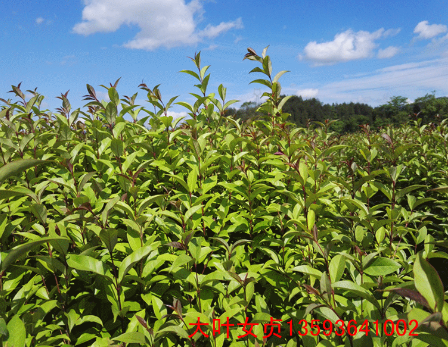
350	116
428	107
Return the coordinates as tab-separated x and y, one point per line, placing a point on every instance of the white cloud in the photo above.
39	20
388	52
411	80
211	31
102	95
426	31
176	115
438	45
212	47
167	23
407	66
346	46
307	93
68	60
391	32
237	39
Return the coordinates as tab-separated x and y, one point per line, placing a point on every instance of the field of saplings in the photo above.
121	226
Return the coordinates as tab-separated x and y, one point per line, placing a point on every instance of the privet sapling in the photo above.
117	232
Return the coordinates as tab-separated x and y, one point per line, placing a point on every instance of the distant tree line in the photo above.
352	115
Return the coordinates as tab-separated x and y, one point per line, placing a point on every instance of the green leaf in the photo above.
40	211
356	290
85	337
381	267
86	263
168	105
25	140
85	179
333	149
203	85
186	105
173	329
272	254
337	267
430	340
6	194
192	73
284	100
223	242
203	71
278	75
428	283
72	317
237	243
16	168
180	260
181	181
111	113
442	243
214	276
109	237
60	245
106	210
267	66
192	316
306	269
192	179
303	170
131	259
158	307
230	313
21	250
132	337
118	128
122	206
166	121
30	103
228	103
404	191
192	211
261	317
311	218
325	286
126	109
264	82
17	333
117	147
52	264
441	189
359	204
327	313
113	96
256	69
3	328
222	92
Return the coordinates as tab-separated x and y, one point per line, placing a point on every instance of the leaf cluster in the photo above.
116	232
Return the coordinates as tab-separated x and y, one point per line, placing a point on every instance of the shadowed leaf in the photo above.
16	168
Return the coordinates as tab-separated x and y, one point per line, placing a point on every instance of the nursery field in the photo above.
209	231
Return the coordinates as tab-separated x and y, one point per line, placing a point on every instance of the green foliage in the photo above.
348	117
113	233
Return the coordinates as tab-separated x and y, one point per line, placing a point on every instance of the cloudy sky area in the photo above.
360	51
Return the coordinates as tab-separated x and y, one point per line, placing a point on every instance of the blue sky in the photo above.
336	51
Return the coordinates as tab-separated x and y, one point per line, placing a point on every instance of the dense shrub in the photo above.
116	232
